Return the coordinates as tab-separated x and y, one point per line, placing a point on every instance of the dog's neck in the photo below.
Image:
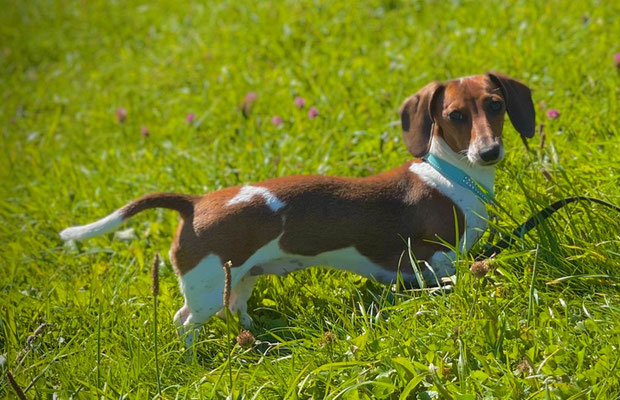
484	175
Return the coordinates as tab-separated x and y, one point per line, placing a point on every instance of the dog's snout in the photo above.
490	153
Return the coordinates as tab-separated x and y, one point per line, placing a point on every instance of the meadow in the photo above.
103	101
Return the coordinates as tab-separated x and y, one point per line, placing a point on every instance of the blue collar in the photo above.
455	175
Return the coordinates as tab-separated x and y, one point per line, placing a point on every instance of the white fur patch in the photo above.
471	206
348	259
203	286
100	227
248	192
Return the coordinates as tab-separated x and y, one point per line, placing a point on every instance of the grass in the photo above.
66	66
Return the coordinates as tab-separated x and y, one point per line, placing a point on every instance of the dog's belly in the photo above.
203	285
345	259
348	259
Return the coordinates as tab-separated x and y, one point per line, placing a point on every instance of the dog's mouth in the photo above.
475	160
488	163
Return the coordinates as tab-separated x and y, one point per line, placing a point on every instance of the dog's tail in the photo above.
182	203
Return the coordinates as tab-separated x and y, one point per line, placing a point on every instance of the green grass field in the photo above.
543	324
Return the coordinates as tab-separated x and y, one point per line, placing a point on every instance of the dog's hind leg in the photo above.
202	288
198	312
181	316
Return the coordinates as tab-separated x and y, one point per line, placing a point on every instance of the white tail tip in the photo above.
96	228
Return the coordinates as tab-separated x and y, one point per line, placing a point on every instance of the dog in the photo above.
364	225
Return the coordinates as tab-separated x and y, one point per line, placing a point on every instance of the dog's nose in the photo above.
490	153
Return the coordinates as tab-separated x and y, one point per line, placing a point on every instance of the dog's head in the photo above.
468	114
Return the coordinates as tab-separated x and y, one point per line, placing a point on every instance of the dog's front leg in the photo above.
239	297
196	317
441	265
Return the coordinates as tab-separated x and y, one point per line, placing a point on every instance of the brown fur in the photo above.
182	203
471	96
375	215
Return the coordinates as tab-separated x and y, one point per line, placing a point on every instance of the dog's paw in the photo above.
245	320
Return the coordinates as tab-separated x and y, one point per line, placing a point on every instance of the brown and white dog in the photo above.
356	224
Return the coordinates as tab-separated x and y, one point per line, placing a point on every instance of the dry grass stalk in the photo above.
155	291
15	385
37	332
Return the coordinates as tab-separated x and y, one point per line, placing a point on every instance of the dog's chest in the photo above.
471	206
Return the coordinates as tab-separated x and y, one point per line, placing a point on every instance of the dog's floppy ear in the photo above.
416	118
518	103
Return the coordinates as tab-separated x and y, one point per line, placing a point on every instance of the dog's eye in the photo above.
456	116
495	105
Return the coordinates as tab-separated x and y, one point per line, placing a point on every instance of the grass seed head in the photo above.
36	333
328	338
479	269
226	295
457	331
155	276
524	367
245	339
